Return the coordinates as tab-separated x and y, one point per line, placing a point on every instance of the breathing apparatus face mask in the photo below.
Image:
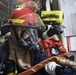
27	37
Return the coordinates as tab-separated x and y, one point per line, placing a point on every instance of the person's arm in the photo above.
61	48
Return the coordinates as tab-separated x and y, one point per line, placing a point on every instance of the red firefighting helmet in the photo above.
23	16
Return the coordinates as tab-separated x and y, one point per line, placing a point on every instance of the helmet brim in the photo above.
26	26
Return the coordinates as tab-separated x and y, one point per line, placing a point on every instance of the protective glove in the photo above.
58	30
51	67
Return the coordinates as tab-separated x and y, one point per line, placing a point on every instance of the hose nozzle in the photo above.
67	62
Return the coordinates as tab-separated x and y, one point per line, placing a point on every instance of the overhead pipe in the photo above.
4	8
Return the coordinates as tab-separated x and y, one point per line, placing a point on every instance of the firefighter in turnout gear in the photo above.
25	49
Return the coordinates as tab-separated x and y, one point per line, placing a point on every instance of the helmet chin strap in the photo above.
14	29
16	35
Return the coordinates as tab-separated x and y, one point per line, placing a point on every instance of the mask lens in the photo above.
25	34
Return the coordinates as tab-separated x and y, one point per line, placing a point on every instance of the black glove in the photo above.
55	30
